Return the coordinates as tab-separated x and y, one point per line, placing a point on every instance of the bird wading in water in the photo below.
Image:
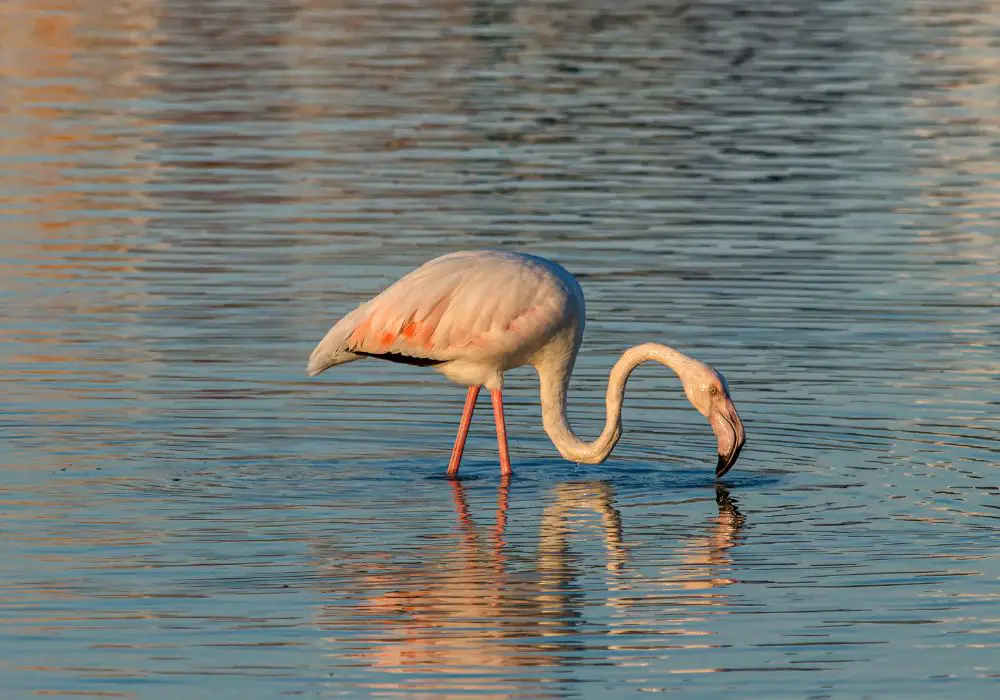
473	315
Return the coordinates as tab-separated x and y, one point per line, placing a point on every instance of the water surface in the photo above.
802	194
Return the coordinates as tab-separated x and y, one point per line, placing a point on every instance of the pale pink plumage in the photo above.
475	314
491	309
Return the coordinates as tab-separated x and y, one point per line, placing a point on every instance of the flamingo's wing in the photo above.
460	306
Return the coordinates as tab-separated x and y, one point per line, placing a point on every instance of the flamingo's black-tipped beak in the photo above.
726	462
729	432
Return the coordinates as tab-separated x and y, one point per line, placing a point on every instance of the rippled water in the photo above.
803	194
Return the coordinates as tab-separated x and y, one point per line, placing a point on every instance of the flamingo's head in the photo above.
708	392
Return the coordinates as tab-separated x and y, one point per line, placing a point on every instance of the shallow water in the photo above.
804	194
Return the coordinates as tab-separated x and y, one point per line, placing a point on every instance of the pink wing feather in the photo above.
482	305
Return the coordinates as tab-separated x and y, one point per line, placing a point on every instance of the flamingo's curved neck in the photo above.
554	374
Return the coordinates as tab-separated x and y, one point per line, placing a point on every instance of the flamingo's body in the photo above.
474	315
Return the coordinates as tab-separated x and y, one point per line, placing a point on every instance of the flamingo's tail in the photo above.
332	349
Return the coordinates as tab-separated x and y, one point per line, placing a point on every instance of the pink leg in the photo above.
505	469
463	431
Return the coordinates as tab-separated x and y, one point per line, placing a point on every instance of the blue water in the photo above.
805	195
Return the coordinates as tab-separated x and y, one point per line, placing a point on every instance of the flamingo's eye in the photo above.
713	390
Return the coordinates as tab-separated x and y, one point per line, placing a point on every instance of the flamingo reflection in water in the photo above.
467	609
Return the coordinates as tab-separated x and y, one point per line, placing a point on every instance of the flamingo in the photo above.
472	315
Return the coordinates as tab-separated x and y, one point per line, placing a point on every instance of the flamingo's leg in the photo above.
497	396
463	430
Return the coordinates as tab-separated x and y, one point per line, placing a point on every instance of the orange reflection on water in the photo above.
73	163
68	64
704	556
958	123
675	605
468	605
